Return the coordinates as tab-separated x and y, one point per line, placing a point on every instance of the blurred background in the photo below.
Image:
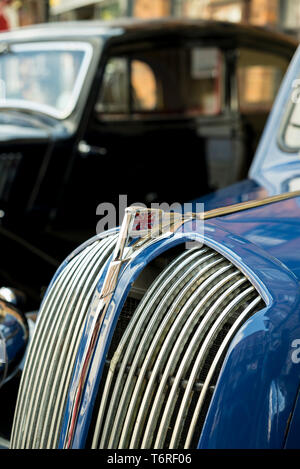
280	15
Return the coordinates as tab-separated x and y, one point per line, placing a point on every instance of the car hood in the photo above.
242	191
274	227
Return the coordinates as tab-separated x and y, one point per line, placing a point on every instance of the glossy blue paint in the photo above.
274	227
257	376
14	333
242	191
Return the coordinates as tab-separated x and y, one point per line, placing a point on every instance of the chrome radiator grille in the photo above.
164	360
51	358
162	374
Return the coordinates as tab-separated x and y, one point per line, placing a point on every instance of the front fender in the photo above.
256	390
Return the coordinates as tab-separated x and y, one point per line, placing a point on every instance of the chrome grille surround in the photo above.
51	356
162	373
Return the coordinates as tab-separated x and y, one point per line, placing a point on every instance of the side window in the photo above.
259	75
114	93
129	86
174	80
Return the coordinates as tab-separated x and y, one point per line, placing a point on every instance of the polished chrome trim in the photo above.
221	211
152	296
236	325
189	356
168	310
63	359
83	304
168	368
160	336
211	332
170	333
109	284
46	327
52	354
152	313
185	268
8	295
124	251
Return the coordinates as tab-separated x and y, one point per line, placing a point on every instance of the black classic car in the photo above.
92	110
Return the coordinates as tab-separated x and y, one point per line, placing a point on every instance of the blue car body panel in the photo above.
275	228
240	192
258	379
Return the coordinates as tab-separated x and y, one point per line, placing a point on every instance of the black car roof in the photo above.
139	28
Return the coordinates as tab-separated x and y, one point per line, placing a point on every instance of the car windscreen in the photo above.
44	76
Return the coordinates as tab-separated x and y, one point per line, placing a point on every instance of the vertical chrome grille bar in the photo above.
199	361
43	323
175	324
157	340
134	353
188	358
135	324
56	331
61	345
81	308
182	327
236	325
54	347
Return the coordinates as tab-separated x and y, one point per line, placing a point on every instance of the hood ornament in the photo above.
140	226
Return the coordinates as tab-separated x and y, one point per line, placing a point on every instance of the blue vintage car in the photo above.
179	330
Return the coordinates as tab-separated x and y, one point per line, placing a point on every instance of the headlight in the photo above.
13	340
